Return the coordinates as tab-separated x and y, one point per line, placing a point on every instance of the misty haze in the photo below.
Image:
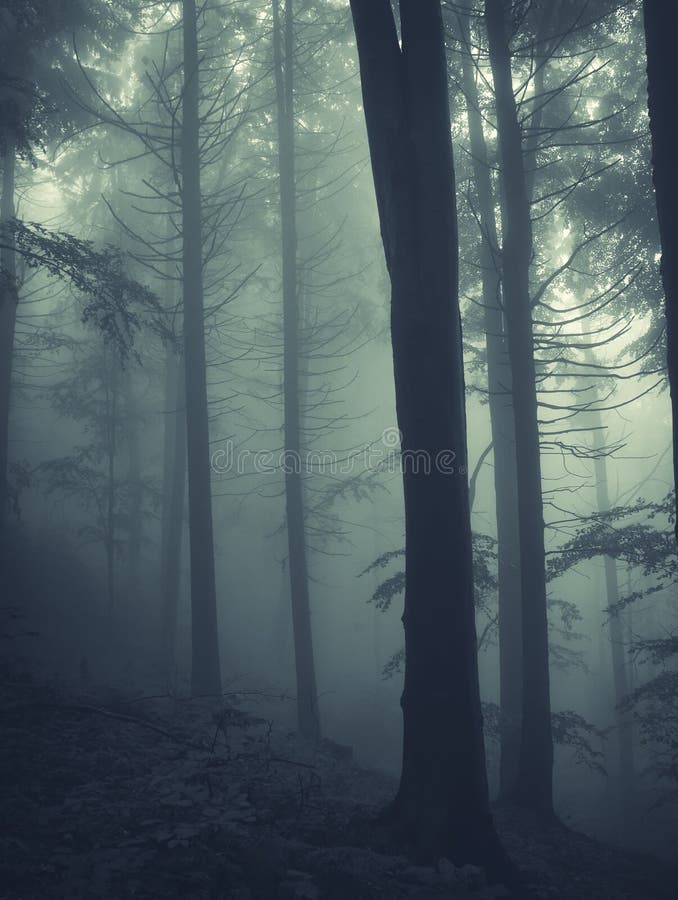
338	344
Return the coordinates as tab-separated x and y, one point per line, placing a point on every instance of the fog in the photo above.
229	285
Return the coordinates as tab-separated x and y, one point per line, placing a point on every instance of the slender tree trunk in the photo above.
620	677
8	304
534	785
206	673
442	806
174	489
111	371
307	704
503	440
627	622
173	485
128	603
626	761
135	529
661	27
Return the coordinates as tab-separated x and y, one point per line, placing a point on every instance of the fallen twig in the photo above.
100	711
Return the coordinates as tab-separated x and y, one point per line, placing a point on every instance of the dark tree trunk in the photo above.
503	441
307	703
442	806
173	491
8	304
110	506
534	785
206	676
661	27
135	497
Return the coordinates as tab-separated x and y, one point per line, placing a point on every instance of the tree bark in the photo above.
534	784
307	703
174	489
661	27
111	396
8	305
442	807
206	674
135	496
500	403
620	673
619	665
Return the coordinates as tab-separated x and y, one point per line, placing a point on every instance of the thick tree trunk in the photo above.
534	785
307	704
661	27
442	806
173	491
206	674
8	305
503	440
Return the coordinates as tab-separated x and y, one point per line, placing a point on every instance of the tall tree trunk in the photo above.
307	703
503	438
206	673
173	491
534	785
627	622
620	675
111	393
134	486
442	806
661	27
8	305
626	762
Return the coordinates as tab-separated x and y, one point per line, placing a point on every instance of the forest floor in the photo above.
107	796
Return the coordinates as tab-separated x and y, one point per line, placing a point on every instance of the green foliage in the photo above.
484	580
395	664
18	480
388	590
569	730
631	535
79	476
565	658
37	53
381	561
638	543
485	584
655	709
89	477
115	304
641	536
